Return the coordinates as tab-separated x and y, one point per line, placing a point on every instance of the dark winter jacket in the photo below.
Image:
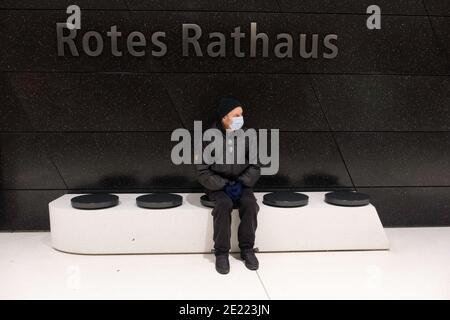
215	176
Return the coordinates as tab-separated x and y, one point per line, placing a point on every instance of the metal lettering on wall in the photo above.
92	42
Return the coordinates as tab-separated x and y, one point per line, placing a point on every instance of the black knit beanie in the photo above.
226	105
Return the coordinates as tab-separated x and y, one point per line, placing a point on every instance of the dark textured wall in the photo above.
376	118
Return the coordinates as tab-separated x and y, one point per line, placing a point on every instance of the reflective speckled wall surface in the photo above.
375	119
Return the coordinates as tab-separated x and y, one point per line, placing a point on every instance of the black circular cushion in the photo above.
159	200
94	201
205	201
347	198
285	199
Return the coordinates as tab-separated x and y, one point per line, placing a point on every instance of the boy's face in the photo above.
236	112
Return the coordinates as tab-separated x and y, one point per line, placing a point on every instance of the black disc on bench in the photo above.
95	201
347	198
206	202
285	199
159	201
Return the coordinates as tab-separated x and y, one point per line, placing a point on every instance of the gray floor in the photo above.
416	267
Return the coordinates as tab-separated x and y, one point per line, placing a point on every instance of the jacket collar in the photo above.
218	125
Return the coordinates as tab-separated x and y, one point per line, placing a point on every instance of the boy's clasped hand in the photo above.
234	190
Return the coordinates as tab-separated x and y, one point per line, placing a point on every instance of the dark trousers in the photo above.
248	211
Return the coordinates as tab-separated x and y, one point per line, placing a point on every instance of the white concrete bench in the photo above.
128	229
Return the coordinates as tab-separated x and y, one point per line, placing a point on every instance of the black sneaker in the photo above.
222	264
251	262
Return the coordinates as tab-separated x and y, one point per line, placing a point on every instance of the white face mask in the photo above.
237	123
